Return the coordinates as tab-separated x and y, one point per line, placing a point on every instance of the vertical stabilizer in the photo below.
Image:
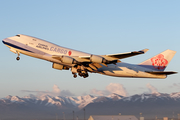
160	61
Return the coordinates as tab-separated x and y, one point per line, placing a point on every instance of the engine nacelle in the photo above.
59	66
97	59
69	60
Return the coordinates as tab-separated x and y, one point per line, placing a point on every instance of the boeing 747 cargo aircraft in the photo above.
81	63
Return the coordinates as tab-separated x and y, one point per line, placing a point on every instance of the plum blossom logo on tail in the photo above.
159	62
69	53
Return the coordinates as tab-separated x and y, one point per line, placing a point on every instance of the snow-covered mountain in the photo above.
82	101
59	101
48	106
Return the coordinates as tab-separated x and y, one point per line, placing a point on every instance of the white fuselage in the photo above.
42	49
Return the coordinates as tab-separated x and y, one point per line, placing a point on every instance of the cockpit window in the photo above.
18	35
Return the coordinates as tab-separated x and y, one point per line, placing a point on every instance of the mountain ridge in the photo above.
48	106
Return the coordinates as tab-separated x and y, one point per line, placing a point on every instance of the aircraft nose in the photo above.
3	41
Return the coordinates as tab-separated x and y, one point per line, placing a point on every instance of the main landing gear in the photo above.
84	75
80	70
74	75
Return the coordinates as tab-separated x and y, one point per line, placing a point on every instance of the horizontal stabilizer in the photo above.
162	72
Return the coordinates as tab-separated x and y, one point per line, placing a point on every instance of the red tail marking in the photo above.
159	62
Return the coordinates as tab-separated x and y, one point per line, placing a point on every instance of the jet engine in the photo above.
98	59
69	60
59	66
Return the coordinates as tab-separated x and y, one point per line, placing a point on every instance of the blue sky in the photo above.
98	27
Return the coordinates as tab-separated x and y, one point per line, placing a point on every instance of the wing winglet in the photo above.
144	50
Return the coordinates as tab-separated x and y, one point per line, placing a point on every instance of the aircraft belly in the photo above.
117	72
125	72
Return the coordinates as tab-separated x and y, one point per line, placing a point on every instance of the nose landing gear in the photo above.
18	58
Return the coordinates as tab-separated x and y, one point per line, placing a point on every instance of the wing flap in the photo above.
97	65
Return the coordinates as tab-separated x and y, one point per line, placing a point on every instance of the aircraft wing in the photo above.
125	55
111	58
